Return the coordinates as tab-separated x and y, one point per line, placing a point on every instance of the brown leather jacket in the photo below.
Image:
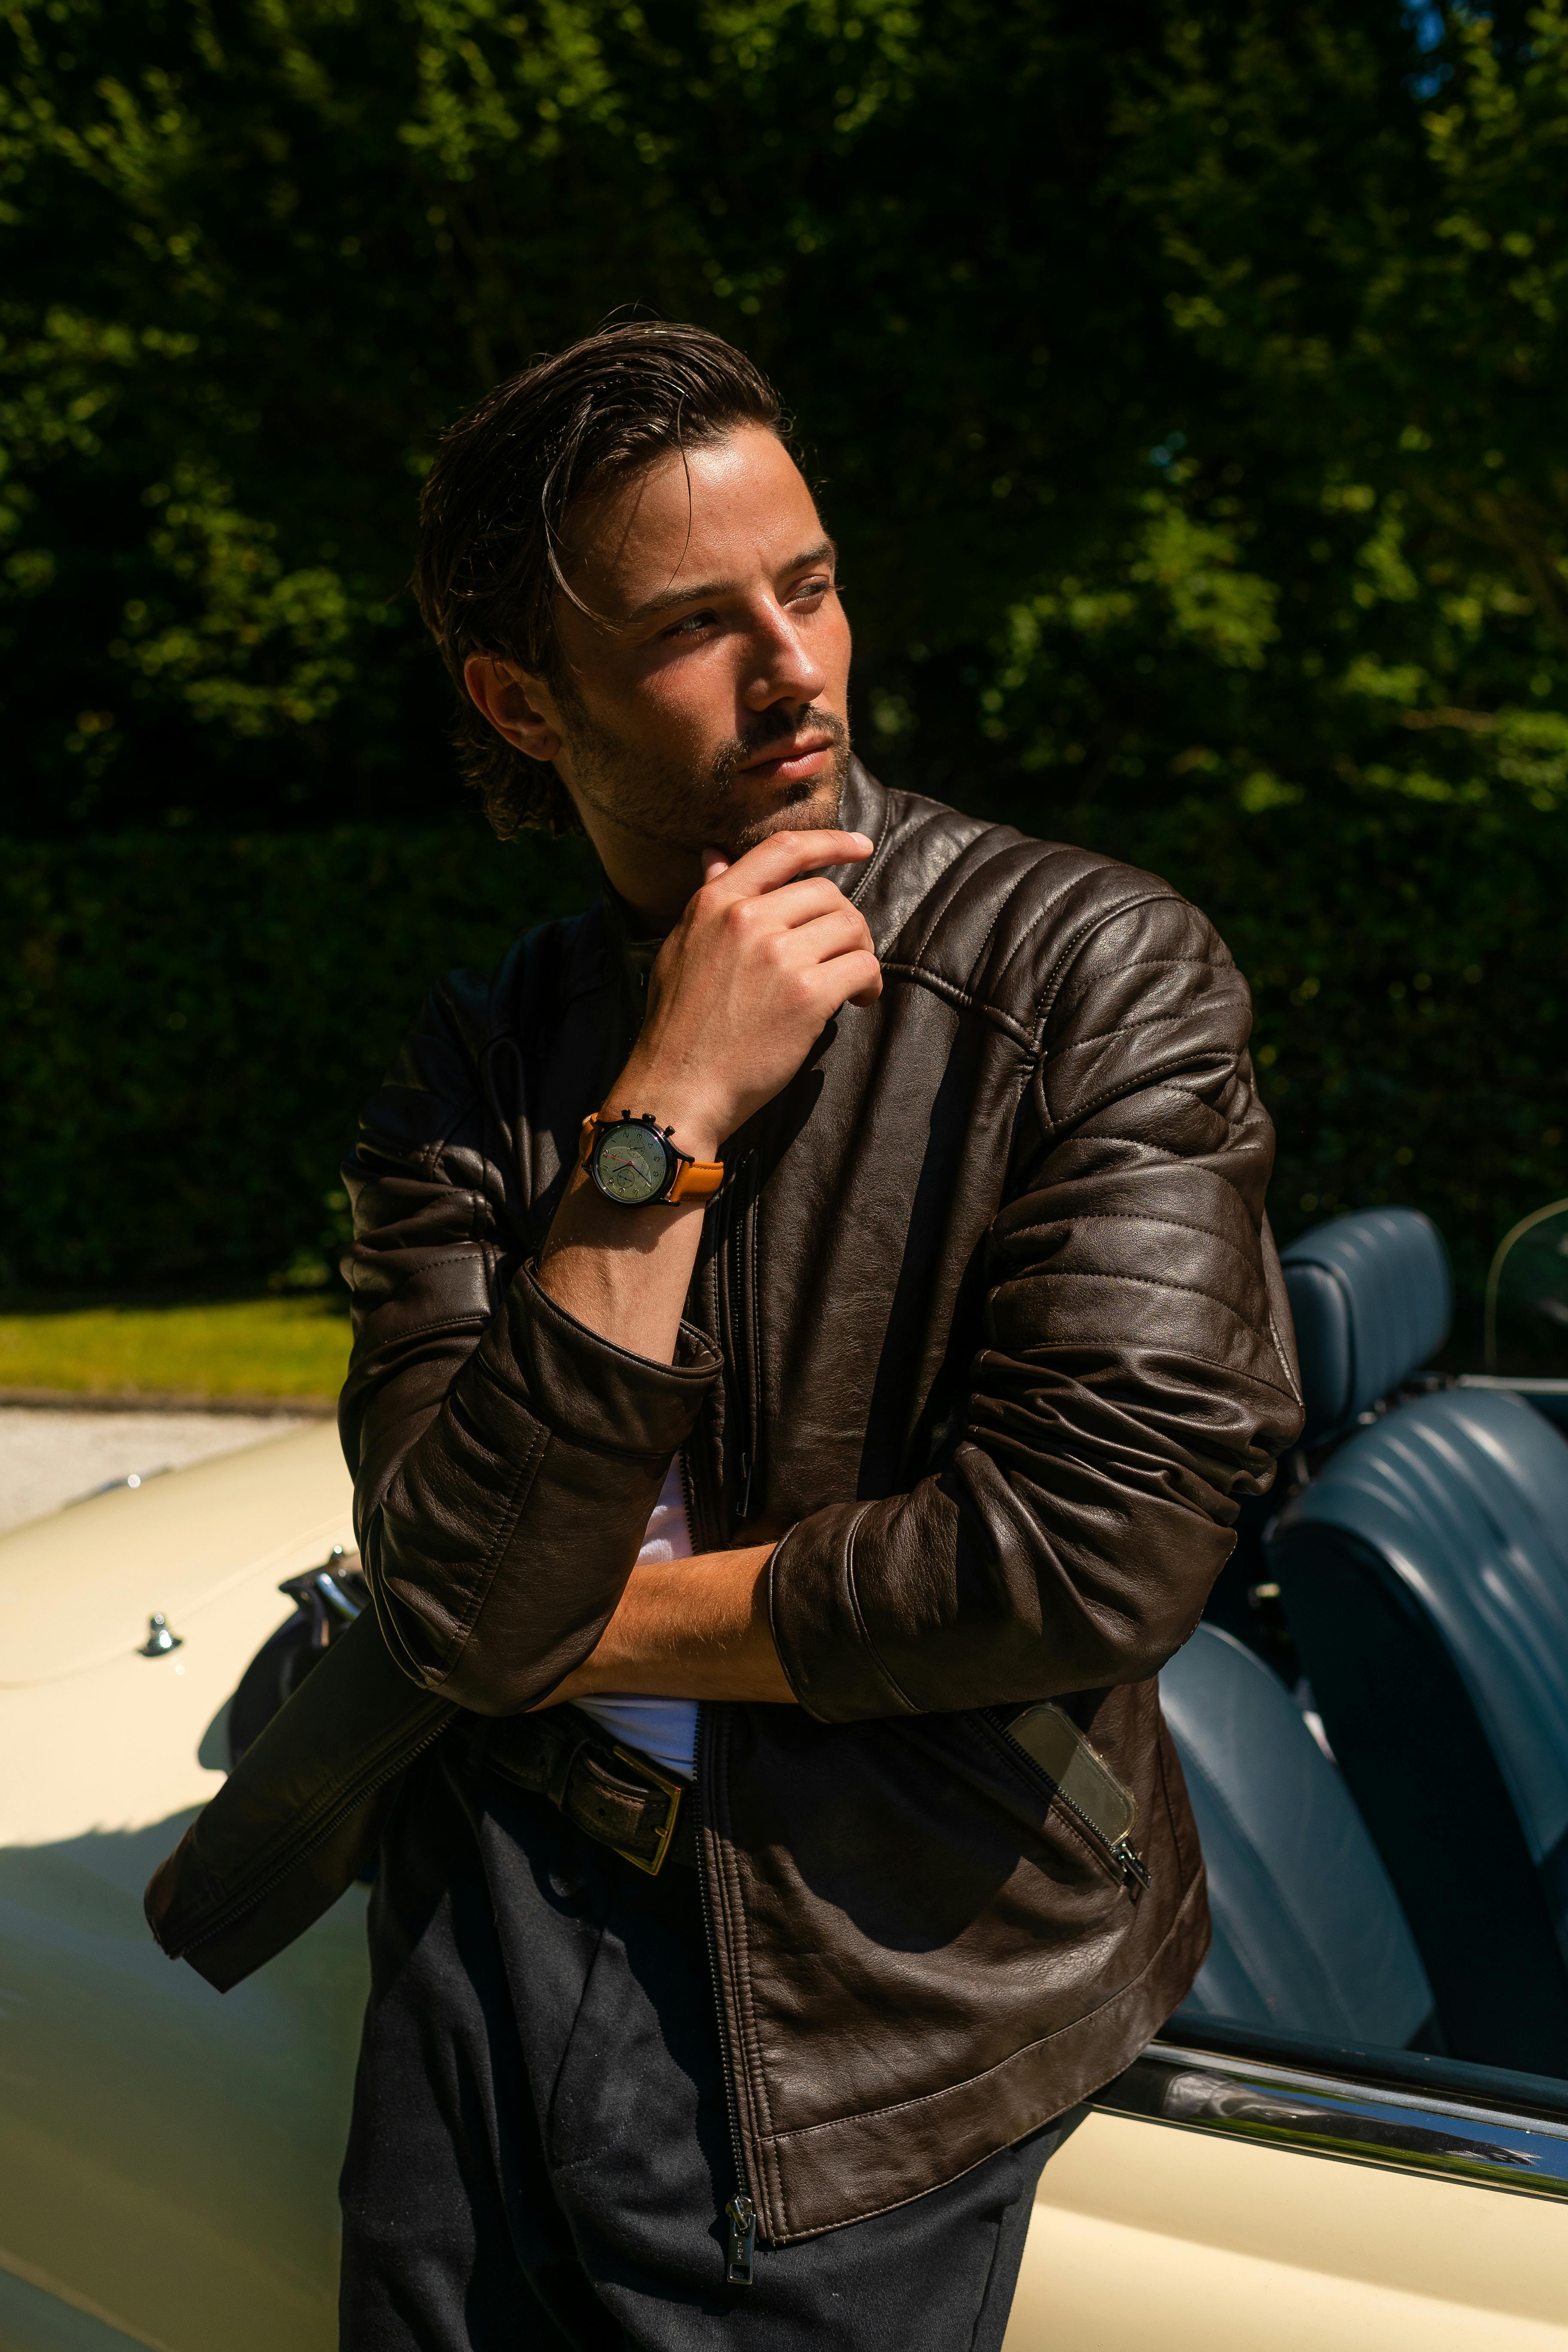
988	1320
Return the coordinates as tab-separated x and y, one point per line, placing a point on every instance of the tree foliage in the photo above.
1180	381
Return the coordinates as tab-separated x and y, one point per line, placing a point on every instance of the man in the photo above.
812	1309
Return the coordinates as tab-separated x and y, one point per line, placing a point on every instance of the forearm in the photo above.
688	1629
503	1490
693	1628
623	1273
767	951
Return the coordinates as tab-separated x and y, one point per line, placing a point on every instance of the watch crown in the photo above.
670	1130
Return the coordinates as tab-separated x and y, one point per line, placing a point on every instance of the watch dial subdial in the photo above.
631	1164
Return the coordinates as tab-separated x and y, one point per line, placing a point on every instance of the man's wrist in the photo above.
671	1104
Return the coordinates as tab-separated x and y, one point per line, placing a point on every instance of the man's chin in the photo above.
810	806
663	806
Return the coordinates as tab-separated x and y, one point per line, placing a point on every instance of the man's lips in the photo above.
788	760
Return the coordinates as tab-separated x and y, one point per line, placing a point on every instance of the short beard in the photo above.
696	808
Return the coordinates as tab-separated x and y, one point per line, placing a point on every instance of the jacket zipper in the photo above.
684	1460
249	1897
740	2211
702	1470
738	1320
1125	1860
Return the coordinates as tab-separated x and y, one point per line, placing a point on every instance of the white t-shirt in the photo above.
663	1728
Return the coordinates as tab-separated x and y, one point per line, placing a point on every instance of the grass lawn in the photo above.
295	1345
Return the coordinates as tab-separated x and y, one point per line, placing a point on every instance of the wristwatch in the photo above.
634	1162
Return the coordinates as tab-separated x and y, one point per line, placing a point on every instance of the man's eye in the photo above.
692	626
810	591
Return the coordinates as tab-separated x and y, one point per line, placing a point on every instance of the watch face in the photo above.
631	1163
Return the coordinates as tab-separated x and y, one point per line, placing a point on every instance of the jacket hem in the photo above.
975	2119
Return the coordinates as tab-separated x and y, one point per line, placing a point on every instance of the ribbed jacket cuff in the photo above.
585	1388
817	1631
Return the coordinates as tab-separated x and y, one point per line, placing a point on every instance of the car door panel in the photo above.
1146	2232
168	2157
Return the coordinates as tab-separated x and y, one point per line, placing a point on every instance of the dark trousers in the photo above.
540	2150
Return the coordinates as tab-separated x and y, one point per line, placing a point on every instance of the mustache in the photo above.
776	727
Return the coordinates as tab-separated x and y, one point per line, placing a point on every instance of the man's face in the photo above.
705	690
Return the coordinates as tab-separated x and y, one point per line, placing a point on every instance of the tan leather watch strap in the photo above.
695	1180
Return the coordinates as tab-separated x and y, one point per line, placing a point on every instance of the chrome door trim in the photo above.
1248	2098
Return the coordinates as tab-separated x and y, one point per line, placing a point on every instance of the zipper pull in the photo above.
743	2216
745	1509
1135	1874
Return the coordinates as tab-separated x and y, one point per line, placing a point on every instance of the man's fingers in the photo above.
795	903
853	979
714	863
782	855
832	962
838	931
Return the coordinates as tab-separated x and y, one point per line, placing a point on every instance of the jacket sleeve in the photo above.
505	1458
1136	1379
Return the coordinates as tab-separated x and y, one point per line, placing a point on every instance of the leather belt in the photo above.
611	1793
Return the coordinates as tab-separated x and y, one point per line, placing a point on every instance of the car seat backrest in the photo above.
1424	1577
1373	1301
1307	1933
1465	1495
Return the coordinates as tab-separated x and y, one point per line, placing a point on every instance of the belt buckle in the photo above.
674	1791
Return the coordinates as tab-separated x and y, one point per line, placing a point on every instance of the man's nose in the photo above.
784	668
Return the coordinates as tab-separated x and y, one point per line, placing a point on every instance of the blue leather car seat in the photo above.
1424	1573
1372	1300
1308	1934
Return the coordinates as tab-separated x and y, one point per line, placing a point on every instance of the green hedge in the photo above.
190	1023
1411	1011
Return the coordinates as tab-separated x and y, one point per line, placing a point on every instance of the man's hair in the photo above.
496	500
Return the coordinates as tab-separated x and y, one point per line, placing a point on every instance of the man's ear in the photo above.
517	706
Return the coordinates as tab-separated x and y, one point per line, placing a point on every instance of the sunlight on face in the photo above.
705	689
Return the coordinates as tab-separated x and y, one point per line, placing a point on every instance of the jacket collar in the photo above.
631	953
864	809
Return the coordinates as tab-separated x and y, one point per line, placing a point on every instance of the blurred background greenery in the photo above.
1183	384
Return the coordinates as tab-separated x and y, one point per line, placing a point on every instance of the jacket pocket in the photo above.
1045	1744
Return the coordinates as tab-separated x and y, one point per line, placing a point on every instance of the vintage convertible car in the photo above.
1354	2134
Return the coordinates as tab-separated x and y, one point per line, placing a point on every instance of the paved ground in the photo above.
51	1455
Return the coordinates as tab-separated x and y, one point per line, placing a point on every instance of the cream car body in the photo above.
168	2157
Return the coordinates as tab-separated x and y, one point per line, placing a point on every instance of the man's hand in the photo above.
766	954
743	987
